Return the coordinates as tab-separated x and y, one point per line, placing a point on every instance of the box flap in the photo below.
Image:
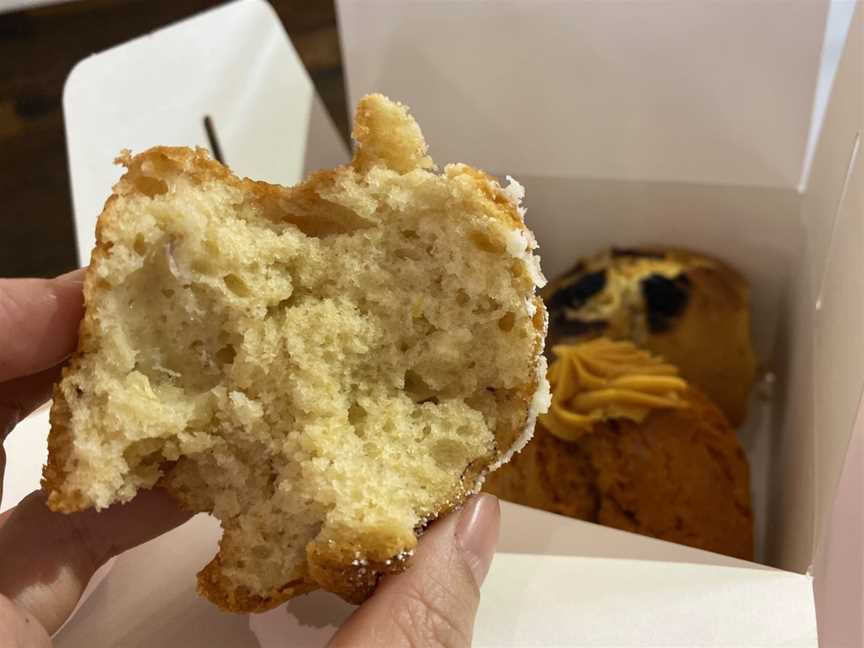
839	344
718	92
569	601
839	568
234	64
836	121
828	172
833	214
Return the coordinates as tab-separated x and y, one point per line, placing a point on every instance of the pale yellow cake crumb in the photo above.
325	368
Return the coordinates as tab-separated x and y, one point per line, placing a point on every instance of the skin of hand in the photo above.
46	559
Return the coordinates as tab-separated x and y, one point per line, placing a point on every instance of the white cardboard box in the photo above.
673	121
680	123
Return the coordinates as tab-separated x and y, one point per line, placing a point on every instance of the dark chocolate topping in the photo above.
665	299
575	295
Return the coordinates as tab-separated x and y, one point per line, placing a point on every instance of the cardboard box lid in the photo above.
234	64
598	89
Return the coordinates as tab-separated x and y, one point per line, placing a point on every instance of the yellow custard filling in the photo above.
603	379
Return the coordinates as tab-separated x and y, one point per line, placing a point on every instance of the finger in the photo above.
20	396
38	322
49	557
20	628
435	601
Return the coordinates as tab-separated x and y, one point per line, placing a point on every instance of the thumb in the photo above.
435	601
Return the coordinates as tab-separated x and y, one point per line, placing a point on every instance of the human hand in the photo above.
46	559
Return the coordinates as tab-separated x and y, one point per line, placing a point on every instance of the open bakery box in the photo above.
679	123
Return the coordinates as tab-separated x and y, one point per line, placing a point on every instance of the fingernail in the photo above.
477	533
75	276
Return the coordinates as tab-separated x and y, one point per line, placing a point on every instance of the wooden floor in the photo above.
38	48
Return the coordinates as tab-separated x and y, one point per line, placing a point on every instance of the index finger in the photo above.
38	322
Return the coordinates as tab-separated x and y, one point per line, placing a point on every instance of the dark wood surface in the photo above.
38	48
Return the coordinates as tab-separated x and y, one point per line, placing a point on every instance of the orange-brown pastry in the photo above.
629	444
692	310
